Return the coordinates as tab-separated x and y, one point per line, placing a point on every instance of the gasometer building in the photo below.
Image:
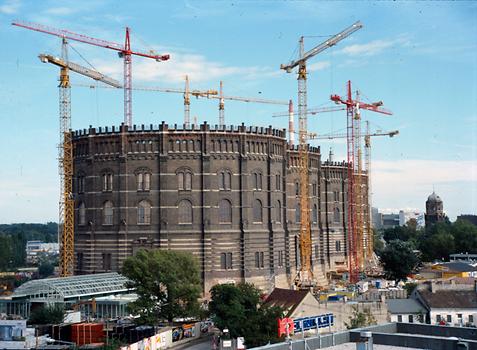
228	195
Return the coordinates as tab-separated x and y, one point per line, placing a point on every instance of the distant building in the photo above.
469	218
376	218
34	249
390	220
434	210
406	215
455	269
463	257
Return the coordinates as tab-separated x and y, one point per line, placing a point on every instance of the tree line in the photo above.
402	248
438	241
13	240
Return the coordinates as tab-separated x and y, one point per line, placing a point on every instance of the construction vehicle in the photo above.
355	183
305	278
65	156
124	51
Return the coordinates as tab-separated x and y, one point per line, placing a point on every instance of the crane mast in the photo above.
65	159
221	105
367	215
65	153
366	205
355	184
305	277
187	102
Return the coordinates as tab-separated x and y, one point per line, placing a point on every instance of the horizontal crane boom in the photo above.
80	69
323	46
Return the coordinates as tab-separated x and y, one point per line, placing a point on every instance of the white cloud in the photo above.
10	7
174	70
407	183
373	47
318	66
368	49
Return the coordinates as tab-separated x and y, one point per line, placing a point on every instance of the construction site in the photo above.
253	203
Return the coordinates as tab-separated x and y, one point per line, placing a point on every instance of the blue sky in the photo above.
420	58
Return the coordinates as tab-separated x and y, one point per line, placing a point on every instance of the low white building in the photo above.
406	311
446	306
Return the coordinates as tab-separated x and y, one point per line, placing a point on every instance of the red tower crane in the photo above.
124	51
355	226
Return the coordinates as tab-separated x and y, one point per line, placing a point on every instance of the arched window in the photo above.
144	212
187	181
143	180
336	215
225	180
278	213
314	188
107	182
108	213
297	213
228	180
338	246
257	181
180	181
226	261
81	214
257	211
80	179
314	214
225	211
184	180
185	212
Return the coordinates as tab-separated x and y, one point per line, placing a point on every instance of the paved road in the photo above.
201	344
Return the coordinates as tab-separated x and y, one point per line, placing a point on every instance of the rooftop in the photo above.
445	299
286	298
74	287
457	266
404	306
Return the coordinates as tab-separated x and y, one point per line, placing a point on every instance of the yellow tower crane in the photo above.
305	278
65	156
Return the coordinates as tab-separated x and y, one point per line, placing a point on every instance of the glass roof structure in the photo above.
72	288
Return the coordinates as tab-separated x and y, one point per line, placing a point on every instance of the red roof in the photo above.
286	298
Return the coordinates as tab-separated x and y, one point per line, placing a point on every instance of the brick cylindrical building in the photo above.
228	196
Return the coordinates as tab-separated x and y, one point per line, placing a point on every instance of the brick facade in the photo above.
200	190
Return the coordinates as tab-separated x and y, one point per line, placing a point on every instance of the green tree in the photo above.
239	309
45	269
465	237
407	233
167	283
378	243
47	315
13	240
438	242
399	260
360	319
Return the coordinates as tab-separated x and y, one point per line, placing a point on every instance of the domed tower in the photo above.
434	209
